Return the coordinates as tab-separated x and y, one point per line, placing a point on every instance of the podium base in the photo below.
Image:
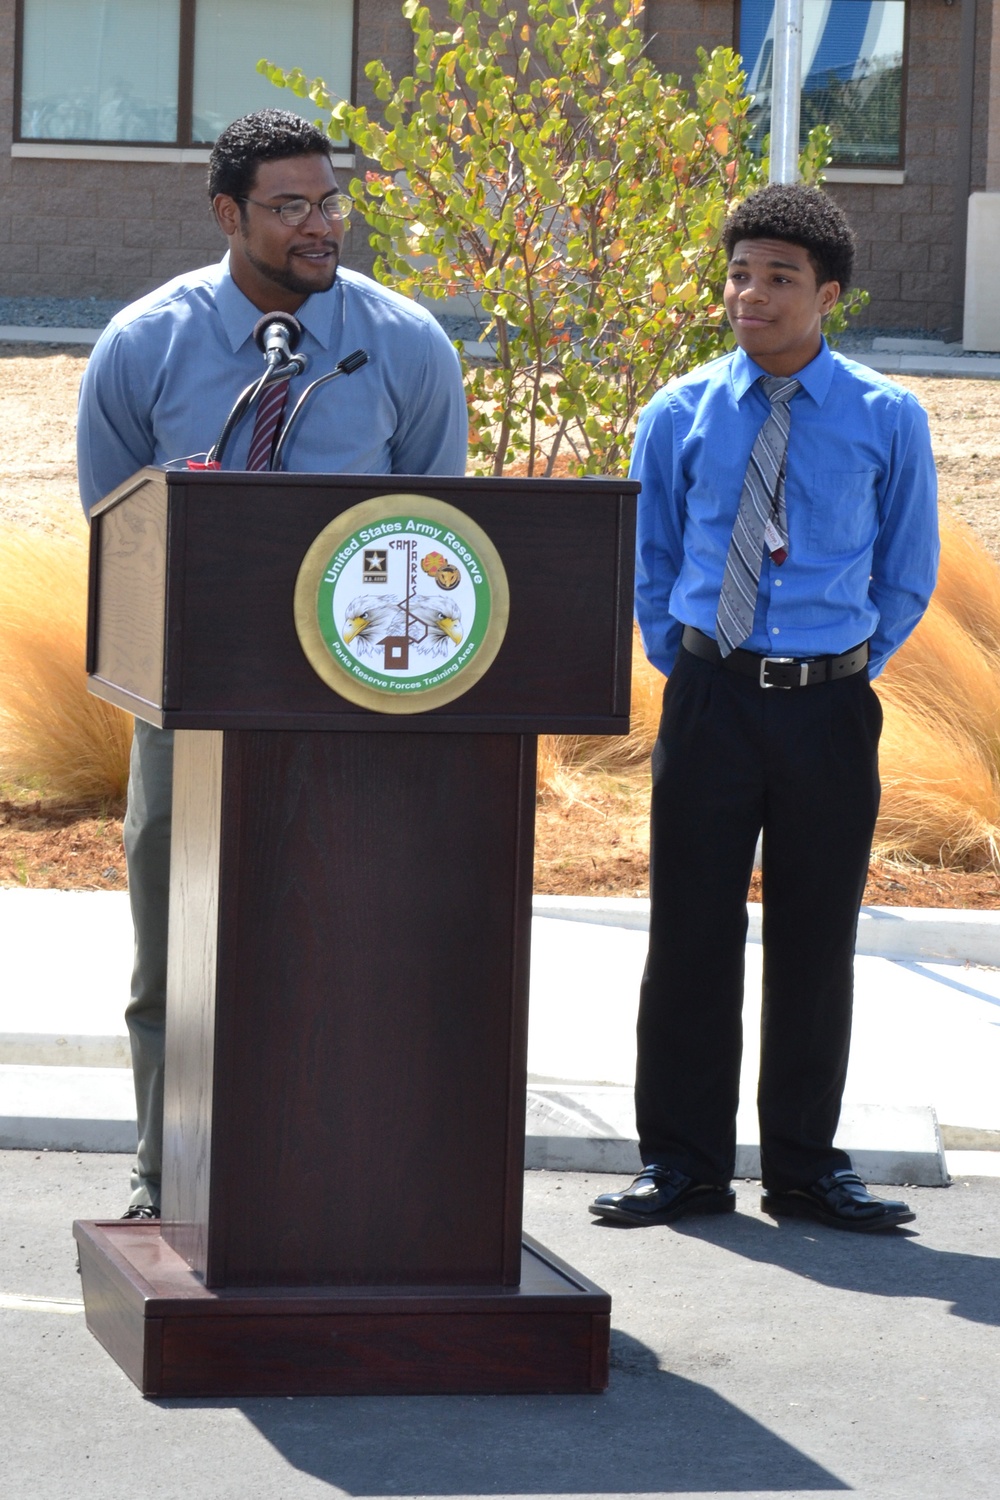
174	1337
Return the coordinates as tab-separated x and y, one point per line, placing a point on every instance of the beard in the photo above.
285	277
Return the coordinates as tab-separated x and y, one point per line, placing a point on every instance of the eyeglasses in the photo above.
335	207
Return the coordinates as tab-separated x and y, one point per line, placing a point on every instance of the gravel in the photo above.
57	312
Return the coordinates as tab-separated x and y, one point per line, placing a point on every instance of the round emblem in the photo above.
401	603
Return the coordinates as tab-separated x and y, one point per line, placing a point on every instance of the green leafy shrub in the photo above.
536	162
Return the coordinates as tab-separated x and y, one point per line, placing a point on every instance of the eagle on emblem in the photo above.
366	619
431	627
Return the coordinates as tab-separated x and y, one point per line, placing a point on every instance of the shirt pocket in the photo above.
843	511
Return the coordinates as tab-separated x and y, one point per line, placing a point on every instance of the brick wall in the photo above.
93	228
984	107
677	28
907	233
72	228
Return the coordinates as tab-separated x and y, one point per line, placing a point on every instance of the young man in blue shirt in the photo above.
158	388
787	546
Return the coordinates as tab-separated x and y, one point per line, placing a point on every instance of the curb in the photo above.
894	360
66	1109
16	333
591	1128
934	934
569	1127
962	367
41	1049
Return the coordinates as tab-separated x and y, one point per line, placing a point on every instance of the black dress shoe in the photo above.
840	1200
141	1211
661	1194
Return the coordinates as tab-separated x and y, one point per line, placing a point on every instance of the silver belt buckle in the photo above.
782	661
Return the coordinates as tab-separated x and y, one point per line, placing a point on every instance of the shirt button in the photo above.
777	583
775	631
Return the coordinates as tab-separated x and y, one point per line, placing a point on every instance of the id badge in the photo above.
775	543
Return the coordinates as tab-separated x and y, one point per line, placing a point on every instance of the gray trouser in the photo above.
147	854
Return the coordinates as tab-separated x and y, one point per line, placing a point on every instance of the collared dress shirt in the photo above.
166	371
861	493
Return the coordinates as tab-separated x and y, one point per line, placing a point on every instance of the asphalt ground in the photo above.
749	1359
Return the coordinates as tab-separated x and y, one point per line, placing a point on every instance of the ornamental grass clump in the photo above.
55	738
940	753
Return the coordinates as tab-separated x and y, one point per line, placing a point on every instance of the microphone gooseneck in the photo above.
276	335
249	397
346	366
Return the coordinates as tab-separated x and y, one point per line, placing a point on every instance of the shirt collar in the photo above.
239	315
815	378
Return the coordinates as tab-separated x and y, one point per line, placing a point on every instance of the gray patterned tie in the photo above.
762	500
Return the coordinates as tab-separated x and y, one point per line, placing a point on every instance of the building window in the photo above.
231	35
852	74
169	72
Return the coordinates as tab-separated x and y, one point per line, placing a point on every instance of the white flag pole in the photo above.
786	88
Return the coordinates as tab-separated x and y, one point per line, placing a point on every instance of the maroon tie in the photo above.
265	429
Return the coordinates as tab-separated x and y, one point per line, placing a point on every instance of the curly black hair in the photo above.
801	216
265	135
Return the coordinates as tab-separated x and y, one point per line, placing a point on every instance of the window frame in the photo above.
888	170
185	92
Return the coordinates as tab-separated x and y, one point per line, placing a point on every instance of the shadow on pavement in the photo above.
651	1433
896	1263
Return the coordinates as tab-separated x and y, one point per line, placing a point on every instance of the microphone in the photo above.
277	335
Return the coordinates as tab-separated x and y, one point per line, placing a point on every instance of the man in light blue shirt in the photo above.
157	390
787	459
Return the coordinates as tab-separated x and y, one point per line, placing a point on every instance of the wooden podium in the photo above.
350	915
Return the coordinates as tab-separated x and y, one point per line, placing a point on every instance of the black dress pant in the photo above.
731	759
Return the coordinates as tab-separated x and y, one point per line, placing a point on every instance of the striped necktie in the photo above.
265	428
762	501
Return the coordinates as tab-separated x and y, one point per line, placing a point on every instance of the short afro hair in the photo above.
801	216
265	135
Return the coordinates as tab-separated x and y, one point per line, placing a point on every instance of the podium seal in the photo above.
401	603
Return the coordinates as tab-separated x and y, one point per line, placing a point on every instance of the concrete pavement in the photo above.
926	1033
926	1049
916	356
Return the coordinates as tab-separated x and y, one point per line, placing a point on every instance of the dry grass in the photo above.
941	742
72	748
939	794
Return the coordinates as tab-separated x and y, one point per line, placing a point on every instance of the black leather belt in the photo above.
777	671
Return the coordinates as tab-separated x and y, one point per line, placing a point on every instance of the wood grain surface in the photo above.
235	544
174	1337
361	1031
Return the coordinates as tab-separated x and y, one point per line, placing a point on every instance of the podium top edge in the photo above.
302	480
